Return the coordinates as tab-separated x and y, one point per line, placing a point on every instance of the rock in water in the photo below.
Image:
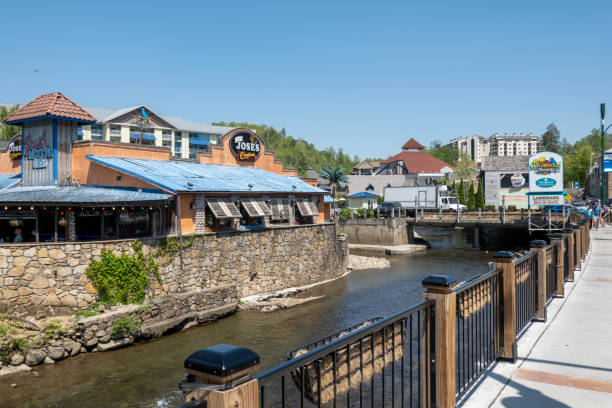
17	359
56	352
35	357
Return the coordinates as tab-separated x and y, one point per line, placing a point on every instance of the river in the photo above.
146	375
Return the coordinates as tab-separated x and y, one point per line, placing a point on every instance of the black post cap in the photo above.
222	360
504	254
439	280
538	243
556	235
575	226
568	229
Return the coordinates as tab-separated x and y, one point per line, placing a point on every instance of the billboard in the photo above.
546	179
607	162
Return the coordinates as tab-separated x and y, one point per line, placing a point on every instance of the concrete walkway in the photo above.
567	361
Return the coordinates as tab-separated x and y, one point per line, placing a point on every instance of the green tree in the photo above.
576	165
465	168
335	176
471	199
479	195
461	192
443	152
551	139
7	131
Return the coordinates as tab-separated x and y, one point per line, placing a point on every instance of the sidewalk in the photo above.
566	362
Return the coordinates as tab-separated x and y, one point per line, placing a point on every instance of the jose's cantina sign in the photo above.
245	146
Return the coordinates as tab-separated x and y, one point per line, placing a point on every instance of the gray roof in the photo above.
104	115
183	176
358	183
504	163
83	195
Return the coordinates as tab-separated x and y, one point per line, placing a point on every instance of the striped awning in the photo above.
223	208
306	207
256	207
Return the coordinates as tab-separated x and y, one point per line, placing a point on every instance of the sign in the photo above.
568	197
517	180
607	164
545	173
245	146
39	151
547	199
14	148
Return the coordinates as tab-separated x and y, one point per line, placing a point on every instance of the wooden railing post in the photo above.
569	232
557	239
439	288
538	248
577	253
226	366
504	261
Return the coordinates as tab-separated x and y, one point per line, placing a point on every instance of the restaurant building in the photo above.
67	186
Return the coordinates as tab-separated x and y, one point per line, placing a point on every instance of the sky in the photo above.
361	76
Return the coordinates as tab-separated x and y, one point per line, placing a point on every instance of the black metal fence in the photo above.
526	281
479	332
551	270
385	363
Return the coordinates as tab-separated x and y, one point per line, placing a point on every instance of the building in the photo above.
413	160
62	188
366	168
593	187
141	125
363	199
506	180
478	147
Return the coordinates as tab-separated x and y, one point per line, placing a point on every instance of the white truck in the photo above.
426	197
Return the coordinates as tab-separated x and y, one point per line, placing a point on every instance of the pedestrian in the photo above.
596	215
18	237
604	215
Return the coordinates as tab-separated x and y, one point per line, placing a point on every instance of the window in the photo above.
166	138
96	132
178	144
115	133
148	137
198	142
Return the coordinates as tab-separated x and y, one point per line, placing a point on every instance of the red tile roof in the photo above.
51	104
412	144
419	162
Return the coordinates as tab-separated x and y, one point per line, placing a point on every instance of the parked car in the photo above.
581	205
386	208
557	208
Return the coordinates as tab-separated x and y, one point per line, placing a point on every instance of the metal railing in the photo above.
551	270
479	334
385	362
526	281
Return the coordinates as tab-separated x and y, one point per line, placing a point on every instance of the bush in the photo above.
126	326
53	329
370	214
489	208
358	213
511	208
345	214
122	279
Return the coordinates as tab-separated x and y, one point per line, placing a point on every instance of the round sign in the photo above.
245	146
568	197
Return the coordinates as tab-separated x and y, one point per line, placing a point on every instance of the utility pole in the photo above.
601	168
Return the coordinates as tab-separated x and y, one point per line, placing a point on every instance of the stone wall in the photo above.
50	278
375	231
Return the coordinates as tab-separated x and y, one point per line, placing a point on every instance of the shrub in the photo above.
124	278
126	326
489	207
86	312
511	208
53	329
370	213
345	213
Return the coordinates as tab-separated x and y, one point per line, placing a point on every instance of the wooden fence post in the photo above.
557	239
569	231
439	288
538	247
504	260
220	365
577	253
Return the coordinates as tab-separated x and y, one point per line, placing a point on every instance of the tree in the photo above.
7	131
576	165
480	195
335	176
465	168
471	199
461	192
443	152
550	139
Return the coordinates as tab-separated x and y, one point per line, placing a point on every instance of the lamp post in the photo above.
601	169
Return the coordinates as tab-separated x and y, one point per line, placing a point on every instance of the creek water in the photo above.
146	375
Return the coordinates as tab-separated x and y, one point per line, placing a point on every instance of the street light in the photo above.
602	109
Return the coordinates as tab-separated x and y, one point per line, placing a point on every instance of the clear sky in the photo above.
363	76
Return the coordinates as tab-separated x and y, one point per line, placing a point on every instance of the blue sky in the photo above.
363	76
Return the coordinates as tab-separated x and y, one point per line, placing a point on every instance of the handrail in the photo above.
523	258
475	281
321	351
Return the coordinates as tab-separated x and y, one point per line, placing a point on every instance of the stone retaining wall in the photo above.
50	278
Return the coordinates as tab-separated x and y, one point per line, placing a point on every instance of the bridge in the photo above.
468	343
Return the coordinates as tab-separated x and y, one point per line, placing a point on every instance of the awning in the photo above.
145	136
306	207
256	207
280	209
223	208
198	142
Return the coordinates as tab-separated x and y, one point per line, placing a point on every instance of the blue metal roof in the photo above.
83	195
9	180
328	199
363	194
184	176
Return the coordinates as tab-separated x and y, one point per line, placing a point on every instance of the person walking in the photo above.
596	215
604	215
